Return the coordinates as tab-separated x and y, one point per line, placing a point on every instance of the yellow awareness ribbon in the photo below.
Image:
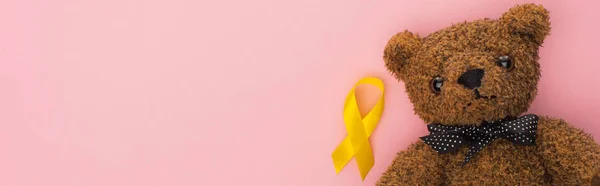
356	144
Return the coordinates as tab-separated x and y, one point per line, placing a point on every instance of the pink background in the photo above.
187	92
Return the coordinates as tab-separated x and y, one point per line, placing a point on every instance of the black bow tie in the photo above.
445	139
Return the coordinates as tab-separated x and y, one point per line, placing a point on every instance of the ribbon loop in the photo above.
356	144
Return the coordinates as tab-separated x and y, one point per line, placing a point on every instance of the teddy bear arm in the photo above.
570	156
417	165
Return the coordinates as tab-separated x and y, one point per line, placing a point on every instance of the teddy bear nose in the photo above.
471	79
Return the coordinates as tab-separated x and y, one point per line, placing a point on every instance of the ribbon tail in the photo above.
364	159
477	146
342	155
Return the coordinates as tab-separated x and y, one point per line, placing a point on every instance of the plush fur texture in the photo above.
562	154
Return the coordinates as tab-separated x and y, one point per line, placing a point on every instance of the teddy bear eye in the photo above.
505	62
436	84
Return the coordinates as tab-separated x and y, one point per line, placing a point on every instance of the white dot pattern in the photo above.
445	139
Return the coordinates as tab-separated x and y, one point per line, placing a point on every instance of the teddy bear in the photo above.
471	83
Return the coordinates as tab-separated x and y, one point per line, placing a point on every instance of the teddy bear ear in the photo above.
399	49
528	20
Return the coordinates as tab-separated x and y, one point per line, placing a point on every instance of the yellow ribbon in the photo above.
359	129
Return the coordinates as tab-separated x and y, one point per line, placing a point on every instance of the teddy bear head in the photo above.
472	72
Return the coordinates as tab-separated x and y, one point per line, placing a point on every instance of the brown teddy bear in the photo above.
472	82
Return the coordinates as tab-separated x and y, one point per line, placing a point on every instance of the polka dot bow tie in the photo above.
445	139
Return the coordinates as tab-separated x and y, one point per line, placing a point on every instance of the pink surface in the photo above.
133	92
